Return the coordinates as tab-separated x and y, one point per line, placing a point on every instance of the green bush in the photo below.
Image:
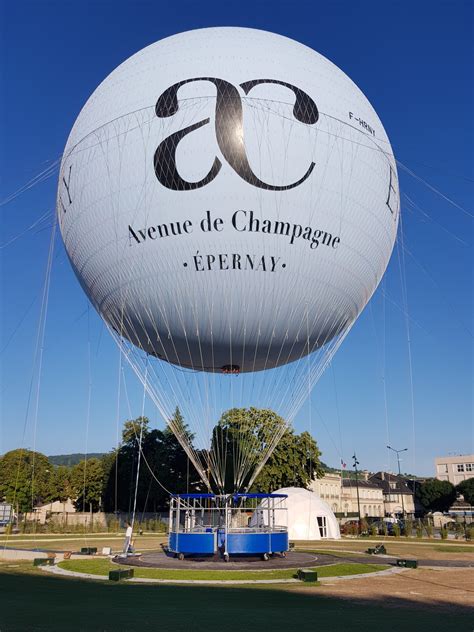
459	531
384	529
443	533
113	525
408	527
429	529
396	530
364	527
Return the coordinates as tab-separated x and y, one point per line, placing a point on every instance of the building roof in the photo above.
351	482
385	480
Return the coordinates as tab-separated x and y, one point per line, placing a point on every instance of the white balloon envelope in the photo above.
229	201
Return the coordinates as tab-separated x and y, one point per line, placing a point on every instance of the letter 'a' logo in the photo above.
229	135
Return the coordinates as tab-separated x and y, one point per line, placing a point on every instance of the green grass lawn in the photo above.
74	542
44	603
103	566
435	549
342	554
453	548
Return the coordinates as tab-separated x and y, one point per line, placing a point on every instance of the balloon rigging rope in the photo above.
37	362
163	411
47	219
402	268
40	177
140	446
434	189
117	431
88	415
145	460
412	205
381	347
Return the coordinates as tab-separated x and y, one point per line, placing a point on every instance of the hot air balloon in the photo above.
228	199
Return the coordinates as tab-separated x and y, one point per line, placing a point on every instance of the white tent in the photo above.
309	517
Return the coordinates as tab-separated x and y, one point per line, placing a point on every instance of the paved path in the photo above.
28	554
391	559
162	559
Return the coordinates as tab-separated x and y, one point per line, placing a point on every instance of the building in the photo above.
454	469
381	494
371	498
54	509
328	489
6	514
341	495
398	498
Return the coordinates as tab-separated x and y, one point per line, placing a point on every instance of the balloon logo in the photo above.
229	133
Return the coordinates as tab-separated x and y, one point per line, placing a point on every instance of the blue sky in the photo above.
413	60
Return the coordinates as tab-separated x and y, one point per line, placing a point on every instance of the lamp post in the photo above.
399	472
356	463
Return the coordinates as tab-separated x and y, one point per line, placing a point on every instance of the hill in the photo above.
73	459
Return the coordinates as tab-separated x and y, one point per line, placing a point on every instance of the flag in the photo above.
343	464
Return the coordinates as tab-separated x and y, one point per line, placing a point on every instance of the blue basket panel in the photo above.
198	543
280	542
256	543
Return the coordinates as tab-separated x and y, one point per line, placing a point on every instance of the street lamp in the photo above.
399	472
356	463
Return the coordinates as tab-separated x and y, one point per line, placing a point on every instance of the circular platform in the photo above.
163	559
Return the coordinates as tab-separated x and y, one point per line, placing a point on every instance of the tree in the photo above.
164	466
87	480
466	488
436	495
25	479
180	474
62	485
239	440
294	463
132	430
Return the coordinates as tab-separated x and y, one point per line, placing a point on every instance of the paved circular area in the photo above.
294	559
161	559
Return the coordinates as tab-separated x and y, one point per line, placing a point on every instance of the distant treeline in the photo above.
73	459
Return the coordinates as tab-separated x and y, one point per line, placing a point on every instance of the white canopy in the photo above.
309	517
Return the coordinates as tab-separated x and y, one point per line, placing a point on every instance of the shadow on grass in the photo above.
47	603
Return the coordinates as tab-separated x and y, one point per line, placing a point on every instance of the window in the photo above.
322	525
469	467
460	467
393	486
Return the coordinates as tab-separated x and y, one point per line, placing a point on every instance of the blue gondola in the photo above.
209	524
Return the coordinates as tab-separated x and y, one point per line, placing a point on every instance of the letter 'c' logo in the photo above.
229	126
